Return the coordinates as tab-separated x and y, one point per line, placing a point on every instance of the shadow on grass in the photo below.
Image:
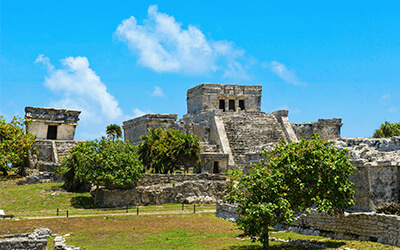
279	245
85	202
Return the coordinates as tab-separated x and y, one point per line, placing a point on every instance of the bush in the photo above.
389	208
106	162
387	130
15	144
165	149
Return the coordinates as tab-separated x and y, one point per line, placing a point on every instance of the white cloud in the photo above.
157	92
281	70
162	45
81	89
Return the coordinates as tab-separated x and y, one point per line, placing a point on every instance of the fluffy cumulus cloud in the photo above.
281	70
163	45
80	88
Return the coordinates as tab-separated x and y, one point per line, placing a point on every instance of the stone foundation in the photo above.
156	189
36	240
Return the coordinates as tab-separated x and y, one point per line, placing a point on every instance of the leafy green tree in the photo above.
387	130
101	162
15	144
114	131
294	177
165	149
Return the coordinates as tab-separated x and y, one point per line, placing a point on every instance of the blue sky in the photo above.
116	60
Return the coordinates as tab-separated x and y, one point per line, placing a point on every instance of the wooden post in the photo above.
126	209
137	210
182	206
67	213
194	208
57	211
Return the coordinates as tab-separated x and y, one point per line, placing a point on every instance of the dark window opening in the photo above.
232	105
52	132
222	105
241	104
216	168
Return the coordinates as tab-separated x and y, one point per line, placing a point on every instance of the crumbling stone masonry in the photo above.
156	189
36	240
230	124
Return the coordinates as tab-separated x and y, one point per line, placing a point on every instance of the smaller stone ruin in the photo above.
51	123
55	131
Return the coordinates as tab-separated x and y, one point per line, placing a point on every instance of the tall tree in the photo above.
165	149
114	131
294	177
15	144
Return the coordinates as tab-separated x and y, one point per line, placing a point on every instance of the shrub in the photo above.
101	162
15	144
165	149
387	130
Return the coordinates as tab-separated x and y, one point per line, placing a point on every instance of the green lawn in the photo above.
131	231
44	199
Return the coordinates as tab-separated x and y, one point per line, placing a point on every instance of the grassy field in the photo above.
39	200
131	231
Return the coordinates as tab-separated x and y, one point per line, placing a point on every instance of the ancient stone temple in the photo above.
51	123
232	128
55	131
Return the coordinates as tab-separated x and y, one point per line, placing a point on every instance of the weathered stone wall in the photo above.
226	211
155	189
327	128
377	179
351	226
205	97
135	128
36	240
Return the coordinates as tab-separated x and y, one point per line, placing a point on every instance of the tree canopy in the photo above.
165	149
294	177
101	162
15	143
114	131
387	130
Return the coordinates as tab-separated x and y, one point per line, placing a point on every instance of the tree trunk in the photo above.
4	171
265	235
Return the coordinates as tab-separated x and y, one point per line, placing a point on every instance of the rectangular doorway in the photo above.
232	105
52	132
241	104
222	105
216	167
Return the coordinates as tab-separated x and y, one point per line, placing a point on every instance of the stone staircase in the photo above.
249	132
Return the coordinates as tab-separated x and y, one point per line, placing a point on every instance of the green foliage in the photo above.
387	130
389	208
295	176
15	144
165	149
114	131
102	162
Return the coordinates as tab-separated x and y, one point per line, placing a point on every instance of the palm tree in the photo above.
114	131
